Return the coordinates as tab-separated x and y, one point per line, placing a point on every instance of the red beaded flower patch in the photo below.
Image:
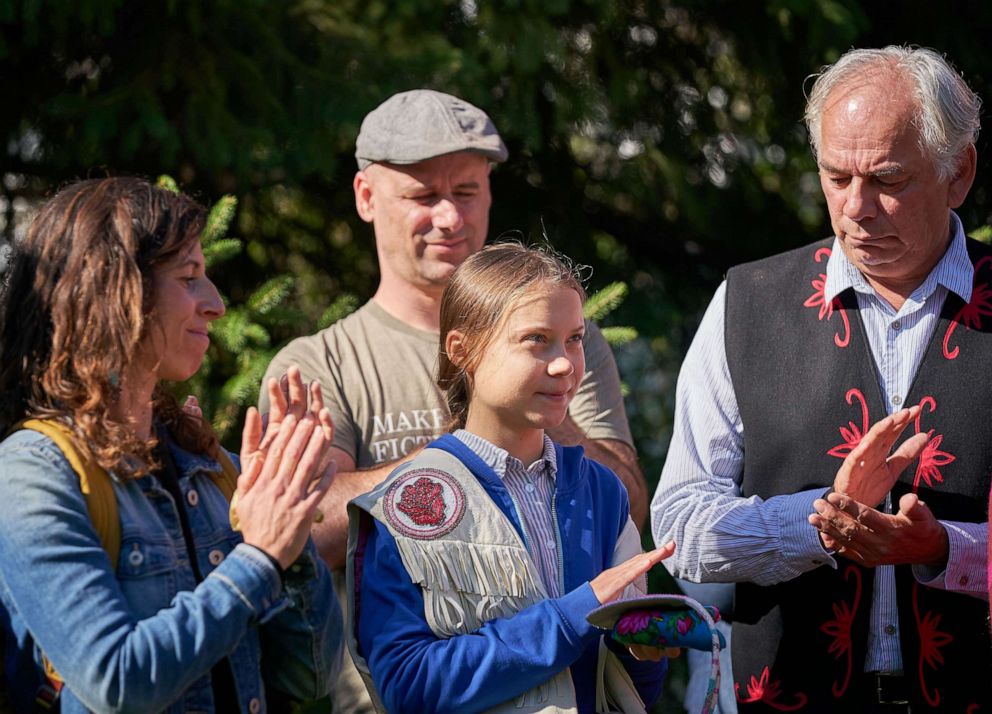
424	503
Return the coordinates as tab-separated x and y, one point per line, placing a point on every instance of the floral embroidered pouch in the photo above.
659	621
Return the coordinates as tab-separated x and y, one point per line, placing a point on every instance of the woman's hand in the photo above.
610	584
288	395
280	487
192	407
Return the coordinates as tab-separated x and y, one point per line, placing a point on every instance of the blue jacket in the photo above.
142	636
415	671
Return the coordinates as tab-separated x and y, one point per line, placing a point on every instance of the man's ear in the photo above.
454	347
364	197
960	183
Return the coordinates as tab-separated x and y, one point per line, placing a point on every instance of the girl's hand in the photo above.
280	488
653	654
610	584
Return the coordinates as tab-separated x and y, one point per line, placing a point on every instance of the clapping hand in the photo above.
286	468
869	471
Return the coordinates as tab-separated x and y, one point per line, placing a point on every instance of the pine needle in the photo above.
619	336
343	306
221	250
983	234
270	295
219	219
603	302
168	183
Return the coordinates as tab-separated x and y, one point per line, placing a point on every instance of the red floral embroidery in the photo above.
931	458
971	314
852	434
840	629
931	640
423	502
759	690
819	299
972	708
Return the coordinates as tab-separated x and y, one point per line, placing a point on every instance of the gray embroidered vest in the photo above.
807	388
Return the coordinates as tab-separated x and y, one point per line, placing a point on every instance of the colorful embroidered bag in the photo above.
666	621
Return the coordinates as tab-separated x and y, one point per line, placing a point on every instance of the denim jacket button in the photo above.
136	557
192	497
255	706
215	557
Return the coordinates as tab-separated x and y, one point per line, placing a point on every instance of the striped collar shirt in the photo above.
532	490
898	340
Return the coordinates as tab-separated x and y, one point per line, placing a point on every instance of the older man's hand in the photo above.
869	472
867	536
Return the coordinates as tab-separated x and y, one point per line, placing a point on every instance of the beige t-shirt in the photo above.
377	375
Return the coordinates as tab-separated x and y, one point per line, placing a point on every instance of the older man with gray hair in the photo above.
844	577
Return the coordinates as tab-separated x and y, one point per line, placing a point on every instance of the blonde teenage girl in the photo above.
472	568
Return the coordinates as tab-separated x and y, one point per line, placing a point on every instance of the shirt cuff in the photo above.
800	541
965	571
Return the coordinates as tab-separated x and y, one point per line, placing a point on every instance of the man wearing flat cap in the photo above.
424	159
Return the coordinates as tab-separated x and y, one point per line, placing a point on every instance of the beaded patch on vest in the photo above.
424	504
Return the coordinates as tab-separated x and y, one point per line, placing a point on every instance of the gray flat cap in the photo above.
421	124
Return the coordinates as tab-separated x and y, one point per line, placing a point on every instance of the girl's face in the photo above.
186	301
530	370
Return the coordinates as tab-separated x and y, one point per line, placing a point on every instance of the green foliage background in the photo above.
659	141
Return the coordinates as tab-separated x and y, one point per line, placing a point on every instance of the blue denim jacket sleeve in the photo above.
415	671
55	576
303	644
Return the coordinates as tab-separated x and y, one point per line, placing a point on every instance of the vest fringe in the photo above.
466	584
469	567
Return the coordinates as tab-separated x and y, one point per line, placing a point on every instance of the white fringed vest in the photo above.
472	567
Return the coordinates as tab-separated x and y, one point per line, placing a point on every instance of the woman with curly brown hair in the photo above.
105	299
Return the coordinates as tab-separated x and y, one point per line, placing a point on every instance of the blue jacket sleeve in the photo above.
415	671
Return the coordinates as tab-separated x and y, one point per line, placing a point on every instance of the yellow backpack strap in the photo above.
94	482
227	481
98	492
227	478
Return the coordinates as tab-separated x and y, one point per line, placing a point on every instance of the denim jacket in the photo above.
142	635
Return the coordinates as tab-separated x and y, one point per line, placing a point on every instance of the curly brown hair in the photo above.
74	309
482	291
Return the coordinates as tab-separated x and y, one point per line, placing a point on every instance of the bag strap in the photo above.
94	482
227	478
98	489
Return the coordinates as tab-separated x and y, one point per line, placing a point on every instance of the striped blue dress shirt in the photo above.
531	489
723	537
